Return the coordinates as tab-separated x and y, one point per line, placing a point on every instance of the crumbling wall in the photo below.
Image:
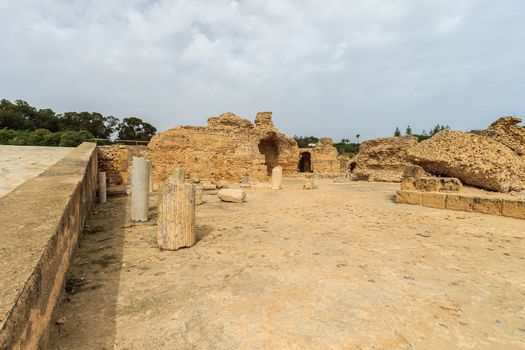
344	163
324	157
384	159
507	131
115	160
228	148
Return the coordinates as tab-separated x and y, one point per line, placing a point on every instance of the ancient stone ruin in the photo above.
255	240
228	148
476	160
490	162
383	159
321	159
491	159
507	131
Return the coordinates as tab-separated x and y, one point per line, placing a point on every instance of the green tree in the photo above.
135	129
304	141
6	135
408	130
45	127
95	123
357	138
39	137
349	149
11	117
74	138
397	133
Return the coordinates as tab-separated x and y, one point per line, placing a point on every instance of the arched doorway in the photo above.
352	166
305	162
268	147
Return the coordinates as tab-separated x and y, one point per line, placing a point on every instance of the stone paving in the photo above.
21	163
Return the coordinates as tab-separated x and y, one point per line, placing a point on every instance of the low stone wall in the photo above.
40	223
510	207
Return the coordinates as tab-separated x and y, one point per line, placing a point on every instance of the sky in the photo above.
324	68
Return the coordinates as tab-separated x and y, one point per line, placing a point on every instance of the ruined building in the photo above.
492	159
230	147
320	159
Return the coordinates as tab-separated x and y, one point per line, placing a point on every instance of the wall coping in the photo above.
32	217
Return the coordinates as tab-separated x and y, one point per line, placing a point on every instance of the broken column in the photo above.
150	179
232	195
277	177
102	187
198	195
176	220
140	174
245	182
179	175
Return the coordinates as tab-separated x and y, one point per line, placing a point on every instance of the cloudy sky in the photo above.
327	68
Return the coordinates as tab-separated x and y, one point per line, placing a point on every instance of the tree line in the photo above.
22	124
344	147
424	135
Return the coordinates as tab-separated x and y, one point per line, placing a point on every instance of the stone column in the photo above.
176	220
102	187
277	177
140	174
150	179
198	195
245	181
179	174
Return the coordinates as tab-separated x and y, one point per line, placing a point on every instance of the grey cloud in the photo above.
333	68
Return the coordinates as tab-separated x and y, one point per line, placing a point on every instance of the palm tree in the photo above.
357	137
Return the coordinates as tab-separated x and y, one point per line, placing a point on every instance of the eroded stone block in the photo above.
488	205
432	184
414	171
513	208
459	202
409	197
434	200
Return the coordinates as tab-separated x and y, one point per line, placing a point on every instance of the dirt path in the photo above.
341	267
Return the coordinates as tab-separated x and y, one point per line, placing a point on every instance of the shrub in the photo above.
74	138
6	135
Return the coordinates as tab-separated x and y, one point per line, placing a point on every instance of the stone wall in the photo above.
115	160
228	148
344	163
486	204
325	157
322	158
41	221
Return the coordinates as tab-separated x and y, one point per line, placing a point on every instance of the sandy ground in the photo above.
341	267
21	163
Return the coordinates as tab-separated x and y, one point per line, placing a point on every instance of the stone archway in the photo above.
268	147
305	162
